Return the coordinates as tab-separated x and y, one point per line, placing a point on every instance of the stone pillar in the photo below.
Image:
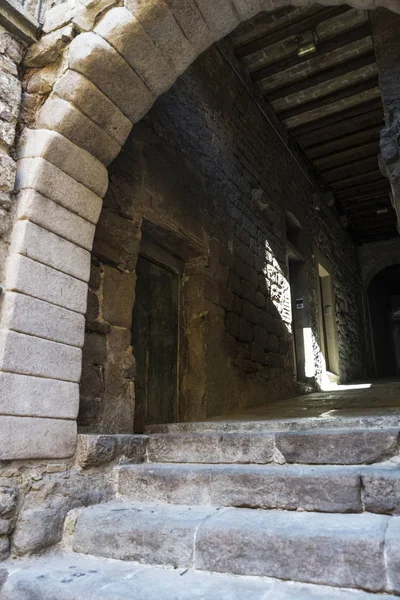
386	34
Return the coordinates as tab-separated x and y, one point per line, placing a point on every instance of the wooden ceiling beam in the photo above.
347	156
320	125
339	143
351	163
335	43
369	177
322	76
345	92
292	29
365	191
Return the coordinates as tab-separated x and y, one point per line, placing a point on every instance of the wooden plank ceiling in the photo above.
328	100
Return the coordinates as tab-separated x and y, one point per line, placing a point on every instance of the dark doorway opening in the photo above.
384	307
155	343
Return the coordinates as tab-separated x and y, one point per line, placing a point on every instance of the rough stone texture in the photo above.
146	534
65	155
114	78
55	218
62	116
338	447
45	178
49	48
341	550
82	93
34	317
34	279
38	397
382	491
118	27
212	448
94	450
287	488
48	438
49	249
392	554
29	355
159	23
101	579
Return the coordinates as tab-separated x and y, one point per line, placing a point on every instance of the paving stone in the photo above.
328	549
159	23
211	448
54	217
93	57
65	155
119	27
84	578
349	447
48	438
29	315
29	355
382	490
45	178
62	116
162	535
49	249
82	93
34	279
249	8
38	396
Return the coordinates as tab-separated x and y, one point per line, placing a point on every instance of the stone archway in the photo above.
114	74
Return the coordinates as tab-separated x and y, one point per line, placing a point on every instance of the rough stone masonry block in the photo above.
34	279
50	249
38	397
28	355
119	27
29	315
45	178
54	217
162	535
221	17
93	57
62	116
392	554
160	24
340	447
32	438
192	23
84	95
62	153
328	549
382	490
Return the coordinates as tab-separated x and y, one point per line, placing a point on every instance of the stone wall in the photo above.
205	174
11	53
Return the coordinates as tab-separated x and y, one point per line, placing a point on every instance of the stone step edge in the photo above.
375	485
198	533
383	421
49	573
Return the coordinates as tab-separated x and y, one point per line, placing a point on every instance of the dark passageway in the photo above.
384	306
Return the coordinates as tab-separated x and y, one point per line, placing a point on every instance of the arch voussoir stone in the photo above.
114	74
96	59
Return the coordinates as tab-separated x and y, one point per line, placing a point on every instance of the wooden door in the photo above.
155	343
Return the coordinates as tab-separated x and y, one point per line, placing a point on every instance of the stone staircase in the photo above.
266	510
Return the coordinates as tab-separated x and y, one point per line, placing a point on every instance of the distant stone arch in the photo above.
114	74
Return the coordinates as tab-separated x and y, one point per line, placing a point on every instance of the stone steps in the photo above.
386	421
77	577
341	550
327	446
286	487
